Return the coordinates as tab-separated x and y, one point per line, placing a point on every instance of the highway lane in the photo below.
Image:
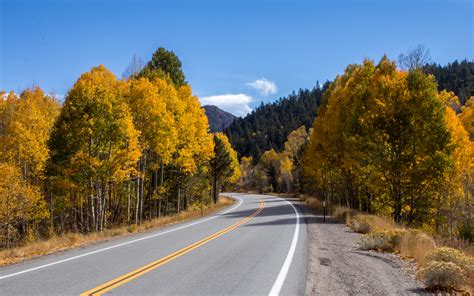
256	247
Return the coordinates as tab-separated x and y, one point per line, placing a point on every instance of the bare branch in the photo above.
415	58
135	66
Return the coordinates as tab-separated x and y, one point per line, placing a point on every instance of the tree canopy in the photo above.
386	141
164	63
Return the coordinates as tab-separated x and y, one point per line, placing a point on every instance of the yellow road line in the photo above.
162	261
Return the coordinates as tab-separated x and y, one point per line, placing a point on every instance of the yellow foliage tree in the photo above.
195	145
26	123
381	142
20	204
94	144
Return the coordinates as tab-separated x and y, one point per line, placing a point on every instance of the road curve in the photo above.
257	246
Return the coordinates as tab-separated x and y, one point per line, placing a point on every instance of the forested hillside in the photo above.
457	77
268	126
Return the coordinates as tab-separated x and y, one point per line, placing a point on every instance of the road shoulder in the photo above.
336	266
77	241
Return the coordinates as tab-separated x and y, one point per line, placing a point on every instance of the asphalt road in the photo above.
258	246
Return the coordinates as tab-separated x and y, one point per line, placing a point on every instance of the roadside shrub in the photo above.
132	228
445	254
444	276
361	224
385	241
415	244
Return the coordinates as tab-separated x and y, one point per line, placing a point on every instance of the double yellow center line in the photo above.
153	265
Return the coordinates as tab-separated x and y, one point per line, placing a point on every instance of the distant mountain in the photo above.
268	126
218	118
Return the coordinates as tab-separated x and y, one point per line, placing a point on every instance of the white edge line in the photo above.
289	258
125	243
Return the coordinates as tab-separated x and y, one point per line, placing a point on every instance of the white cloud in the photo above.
264	86
237	104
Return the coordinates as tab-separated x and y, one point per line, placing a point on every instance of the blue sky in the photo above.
235	53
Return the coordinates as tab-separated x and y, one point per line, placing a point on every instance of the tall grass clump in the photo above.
415	244
343	214
314	203
370	223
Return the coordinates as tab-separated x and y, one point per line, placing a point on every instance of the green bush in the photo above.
361	224
132	228
445	254
444	276
385	241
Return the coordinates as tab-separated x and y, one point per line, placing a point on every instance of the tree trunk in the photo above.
7	216
179	198
129	198
51	212
397	207
137	202
215	189
91	201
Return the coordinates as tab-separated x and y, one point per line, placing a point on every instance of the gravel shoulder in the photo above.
338	267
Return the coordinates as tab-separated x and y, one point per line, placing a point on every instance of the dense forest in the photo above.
457	77
268	126
116	152
384	141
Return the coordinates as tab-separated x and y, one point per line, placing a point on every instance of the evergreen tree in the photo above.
268	126
457	77
164	63
224	166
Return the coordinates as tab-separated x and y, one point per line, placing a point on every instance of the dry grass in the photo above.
444	269
74	240
383	223
370	223
416	244
312	202
343	214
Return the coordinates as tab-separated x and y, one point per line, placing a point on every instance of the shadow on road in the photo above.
282	213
